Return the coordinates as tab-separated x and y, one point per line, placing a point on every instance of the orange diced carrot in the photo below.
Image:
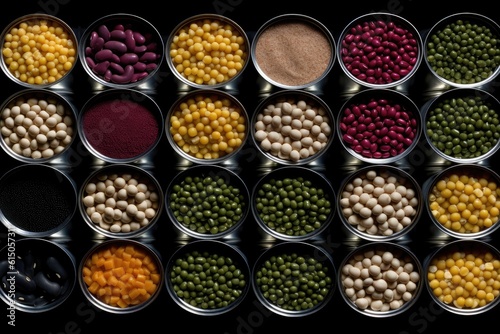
155	278
106	253
100	262
129	249
125	277
113	300
126	256
152	267
86	271
140	254
102	280
118	261
118	271
113	281
121	303
93	288
116	291
119	252
95	258
109	264
88	280
138	284
134	293
107	274
149	286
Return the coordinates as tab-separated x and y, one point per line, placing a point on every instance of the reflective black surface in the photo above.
77	315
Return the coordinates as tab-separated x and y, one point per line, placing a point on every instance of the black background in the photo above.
76	315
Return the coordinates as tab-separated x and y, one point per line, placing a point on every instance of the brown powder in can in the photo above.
293	53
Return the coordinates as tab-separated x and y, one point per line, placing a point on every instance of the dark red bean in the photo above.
103	32
379	59
101	67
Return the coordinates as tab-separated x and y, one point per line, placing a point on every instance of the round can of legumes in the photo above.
470	270
463	201
48	46
120	125
304	262
462	125
379	203
107	282
121	201
37	125
293	51
207	126
218	42
37	200
293	203
462	50
292	127
44	271
121	51
379	126
380	50
207	202
381	279
213	259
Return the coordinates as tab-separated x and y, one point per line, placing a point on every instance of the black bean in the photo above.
48	286
57	268
24	282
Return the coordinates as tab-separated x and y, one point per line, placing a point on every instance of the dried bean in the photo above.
112	49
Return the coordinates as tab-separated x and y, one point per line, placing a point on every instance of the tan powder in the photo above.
293	53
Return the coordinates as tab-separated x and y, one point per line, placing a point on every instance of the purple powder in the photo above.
120	129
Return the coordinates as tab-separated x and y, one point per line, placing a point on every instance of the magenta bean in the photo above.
103	32
139	76
90	62
139	38
140	66
151	67
130	40
101	68
107	75
97	43
129	58
148	57
126	77
116	46
348	139
118	34
407	141
106	54
89	52
116	68
140	49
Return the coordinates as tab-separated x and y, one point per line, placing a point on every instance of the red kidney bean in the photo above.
106	54
116	46
129	58
379	53
377	129
125	77
117	35
103	31
111	50
101	67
